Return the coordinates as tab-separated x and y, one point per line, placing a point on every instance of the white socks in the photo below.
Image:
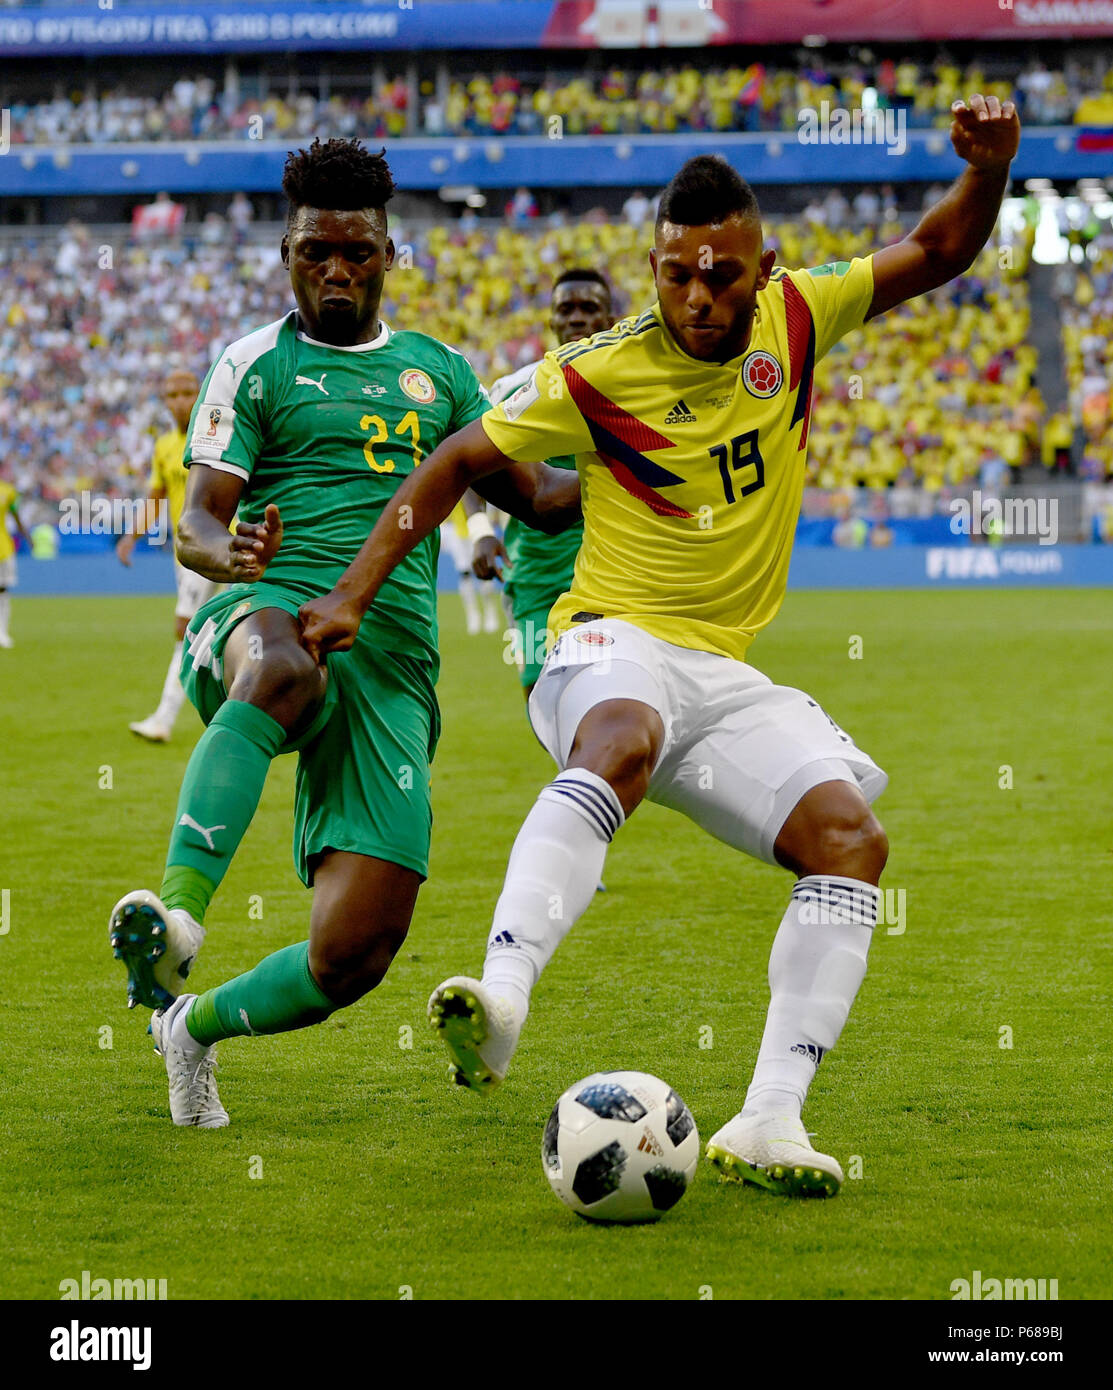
817	963
550	881
5	613
173	696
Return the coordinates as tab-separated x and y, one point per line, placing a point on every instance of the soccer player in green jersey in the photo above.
539	566
308	426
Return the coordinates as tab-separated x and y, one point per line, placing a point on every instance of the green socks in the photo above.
220	792
279	995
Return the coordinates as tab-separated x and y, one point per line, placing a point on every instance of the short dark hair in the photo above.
705	190
584	273
341	175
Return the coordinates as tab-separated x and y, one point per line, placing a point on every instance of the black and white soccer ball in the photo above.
620	1146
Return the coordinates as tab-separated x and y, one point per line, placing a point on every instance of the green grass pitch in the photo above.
971	1082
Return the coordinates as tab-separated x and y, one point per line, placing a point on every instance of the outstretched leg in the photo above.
551	879
362	909
275	690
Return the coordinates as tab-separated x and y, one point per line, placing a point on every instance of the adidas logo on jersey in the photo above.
680	415
809	1050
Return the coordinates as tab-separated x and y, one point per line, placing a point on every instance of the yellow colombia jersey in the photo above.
168	472
691	472
8	497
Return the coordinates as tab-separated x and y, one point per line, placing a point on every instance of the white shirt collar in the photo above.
385	333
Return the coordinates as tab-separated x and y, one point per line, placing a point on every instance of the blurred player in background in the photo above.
311	423
538	568
690	423
167	489
481	604
9	506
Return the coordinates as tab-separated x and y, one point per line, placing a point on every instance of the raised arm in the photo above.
949	236
204	543
547	499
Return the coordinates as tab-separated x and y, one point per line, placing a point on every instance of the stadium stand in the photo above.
752	97
87	332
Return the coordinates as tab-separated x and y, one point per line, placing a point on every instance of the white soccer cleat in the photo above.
152	729
774	1152
157	944
190	1066
479	1028
5	641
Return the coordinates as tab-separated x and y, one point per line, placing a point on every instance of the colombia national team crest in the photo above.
762	374
418	386
592	637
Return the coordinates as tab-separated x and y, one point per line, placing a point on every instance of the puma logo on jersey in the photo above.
234	365
680	415
207	835
308	381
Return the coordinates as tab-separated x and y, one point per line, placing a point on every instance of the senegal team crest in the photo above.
417	386
762	374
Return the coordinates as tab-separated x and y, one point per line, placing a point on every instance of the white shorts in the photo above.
739	752
8	578
459	548
193	590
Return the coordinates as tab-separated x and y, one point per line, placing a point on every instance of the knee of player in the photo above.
347	971
287	676
623	755
855	847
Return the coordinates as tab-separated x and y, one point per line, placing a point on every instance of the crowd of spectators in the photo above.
1084	290
932	396
660	100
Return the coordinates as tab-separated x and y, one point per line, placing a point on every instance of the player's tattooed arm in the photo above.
204	543
418	507
947	239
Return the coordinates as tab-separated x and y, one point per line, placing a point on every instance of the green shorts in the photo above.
363	764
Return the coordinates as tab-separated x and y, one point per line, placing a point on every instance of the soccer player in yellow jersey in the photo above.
167	488
9	506
690	423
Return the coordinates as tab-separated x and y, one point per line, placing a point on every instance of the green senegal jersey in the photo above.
329	434
541	566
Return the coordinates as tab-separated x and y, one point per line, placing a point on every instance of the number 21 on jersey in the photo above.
408	425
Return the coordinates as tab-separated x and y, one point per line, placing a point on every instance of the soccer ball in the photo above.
620	1146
